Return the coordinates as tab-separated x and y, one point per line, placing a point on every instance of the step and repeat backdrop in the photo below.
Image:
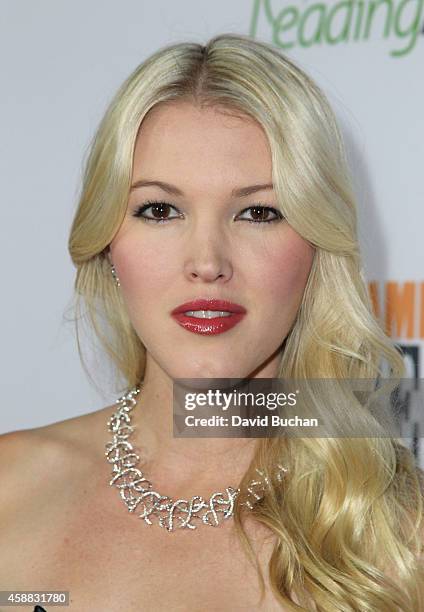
61	63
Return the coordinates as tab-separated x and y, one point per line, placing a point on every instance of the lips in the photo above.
210	304
214	325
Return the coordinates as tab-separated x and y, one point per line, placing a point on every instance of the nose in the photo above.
208	259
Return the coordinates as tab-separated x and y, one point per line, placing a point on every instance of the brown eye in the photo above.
262	214
159	212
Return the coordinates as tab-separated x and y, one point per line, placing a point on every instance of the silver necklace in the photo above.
137	491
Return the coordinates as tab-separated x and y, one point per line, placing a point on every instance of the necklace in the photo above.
137	491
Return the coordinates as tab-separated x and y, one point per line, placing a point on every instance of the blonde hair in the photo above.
348	509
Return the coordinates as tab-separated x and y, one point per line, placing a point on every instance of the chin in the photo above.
210	369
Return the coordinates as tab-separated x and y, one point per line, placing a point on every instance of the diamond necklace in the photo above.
137	491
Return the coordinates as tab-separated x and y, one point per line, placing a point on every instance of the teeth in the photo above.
207	314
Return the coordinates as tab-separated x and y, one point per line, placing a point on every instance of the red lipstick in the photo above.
205	325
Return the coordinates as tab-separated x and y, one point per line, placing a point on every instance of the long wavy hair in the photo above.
348	515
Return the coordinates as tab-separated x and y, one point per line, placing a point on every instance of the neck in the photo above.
182	460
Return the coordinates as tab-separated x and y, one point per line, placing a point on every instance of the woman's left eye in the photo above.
259	213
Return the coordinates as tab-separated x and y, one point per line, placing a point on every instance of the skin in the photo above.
211	250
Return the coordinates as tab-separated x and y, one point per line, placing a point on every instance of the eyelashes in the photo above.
160	207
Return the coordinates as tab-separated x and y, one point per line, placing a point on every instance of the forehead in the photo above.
177	137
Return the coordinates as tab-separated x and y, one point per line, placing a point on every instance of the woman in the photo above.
218	173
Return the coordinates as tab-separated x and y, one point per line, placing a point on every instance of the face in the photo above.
206	239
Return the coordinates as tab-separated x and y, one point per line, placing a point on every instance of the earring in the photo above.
115	276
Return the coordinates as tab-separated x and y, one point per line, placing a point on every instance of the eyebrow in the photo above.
235	193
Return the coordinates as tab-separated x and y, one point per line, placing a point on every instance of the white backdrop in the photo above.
61	61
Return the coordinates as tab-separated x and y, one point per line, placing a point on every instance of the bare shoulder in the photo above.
21	457
35	459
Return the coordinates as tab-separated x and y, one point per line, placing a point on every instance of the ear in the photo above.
108	255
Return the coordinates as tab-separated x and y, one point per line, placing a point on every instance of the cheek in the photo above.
142	270
286	271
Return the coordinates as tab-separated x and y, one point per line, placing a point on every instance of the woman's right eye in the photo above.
159	212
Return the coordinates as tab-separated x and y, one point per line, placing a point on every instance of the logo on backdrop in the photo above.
307	24
400	309
399	306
